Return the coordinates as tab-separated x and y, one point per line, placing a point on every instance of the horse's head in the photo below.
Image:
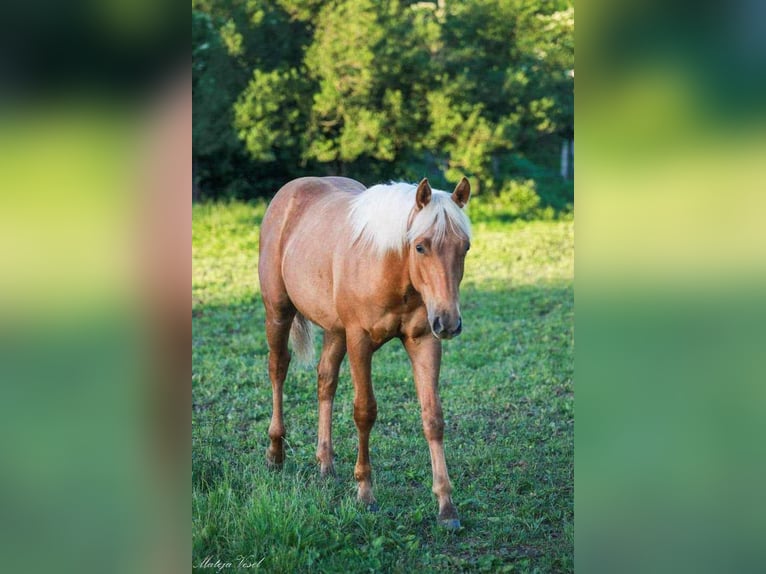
439	238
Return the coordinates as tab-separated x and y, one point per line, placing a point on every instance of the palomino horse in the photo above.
367	266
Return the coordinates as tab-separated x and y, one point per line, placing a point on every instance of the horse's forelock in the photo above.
441	217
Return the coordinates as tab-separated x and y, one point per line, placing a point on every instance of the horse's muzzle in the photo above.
441	332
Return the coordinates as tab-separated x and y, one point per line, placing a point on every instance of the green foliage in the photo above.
507	391
268	114
518	200
383	90
367	62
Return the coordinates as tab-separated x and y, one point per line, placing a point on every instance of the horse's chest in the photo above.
386	328
410	323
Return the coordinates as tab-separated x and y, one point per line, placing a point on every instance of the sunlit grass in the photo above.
507	391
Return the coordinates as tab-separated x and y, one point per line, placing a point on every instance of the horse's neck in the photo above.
393	269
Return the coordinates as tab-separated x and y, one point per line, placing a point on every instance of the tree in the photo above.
381	90
216	80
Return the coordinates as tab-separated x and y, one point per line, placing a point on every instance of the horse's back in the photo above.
296	198
303	192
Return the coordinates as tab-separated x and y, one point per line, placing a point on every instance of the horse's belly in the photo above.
308	279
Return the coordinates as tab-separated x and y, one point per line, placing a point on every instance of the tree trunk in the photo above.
567	157
196	192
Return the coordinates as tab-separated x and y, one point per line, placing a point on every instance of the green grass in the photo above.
507	392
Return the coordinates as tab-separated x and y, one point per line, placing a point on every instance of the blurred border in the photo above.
670	287
95	331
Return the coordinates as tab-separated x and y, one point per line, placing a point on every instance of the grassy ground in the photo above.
507	392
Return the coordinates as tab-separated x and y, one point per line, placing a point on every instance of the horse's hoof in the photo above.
327	473
450	524
273	462
373	507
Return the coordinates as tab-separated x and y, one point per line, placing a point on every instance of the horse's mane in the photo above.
379	217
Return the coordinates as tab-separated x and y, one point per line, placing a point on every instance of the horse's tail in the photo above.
302	339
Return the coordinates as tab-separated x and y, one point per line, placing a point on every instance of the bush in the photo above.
519	199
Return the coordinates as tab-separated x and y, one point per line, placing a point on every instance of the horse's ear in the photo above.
423	194
462	192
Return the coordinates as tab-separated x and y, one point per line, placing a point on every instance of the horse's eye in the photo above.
419	248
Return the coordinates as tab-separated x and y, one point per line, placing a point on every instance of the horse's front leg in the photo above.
365	410
425	354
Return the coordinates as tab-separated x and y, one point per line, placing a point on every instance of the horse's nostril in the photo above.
437	325
459	328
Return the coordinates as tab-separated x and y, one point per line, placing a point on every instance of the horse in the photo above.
367	266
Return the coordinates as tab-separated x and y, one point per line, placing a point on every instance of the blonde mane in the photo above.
379	217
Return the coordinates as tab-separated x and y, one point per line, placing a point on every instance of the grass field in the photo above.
507	392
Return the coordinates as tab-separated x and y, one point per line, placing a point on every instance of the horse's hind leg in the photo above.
333	351
278	322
